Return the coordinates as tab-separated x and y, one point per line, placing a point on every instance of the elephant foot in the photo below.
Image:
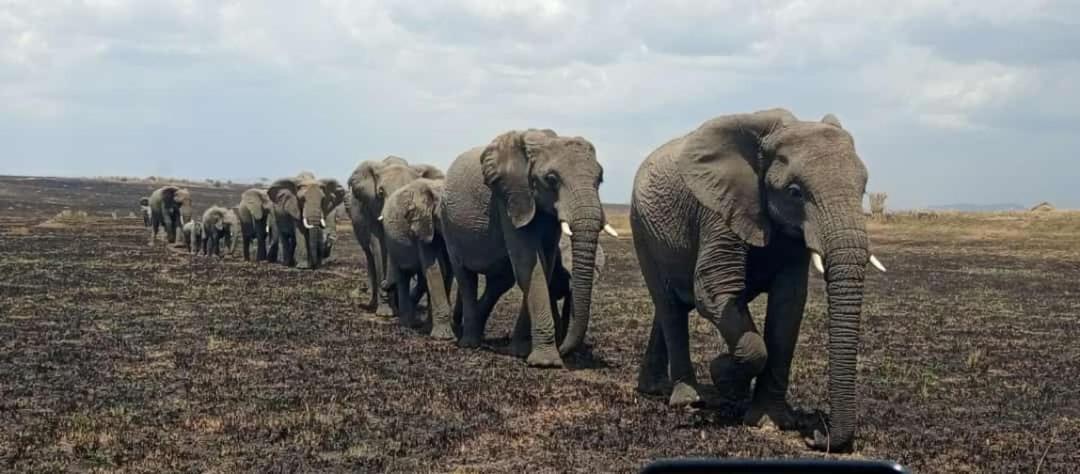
822	442
731	380
545	357
469	342
384	311
684	395
442	332
654	387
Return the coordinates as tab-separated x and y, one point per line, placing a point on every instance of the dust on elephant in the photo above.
254	212
300	205
504	206
170	206
369	185
144	211
414	247
193	236
219	228
747	201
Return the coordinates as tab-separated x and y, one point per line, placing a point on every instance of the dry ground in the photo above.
114	355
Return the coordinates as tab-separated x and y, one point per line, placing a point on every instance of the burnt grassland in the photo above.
118	356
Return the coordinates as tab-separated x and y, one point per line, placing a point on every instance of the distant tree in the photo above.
877	205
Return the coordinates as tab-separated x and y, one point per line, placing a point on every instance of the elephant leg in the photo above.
302	255
383	307
496	286
438	299
521	337
783	316
653	377
472	329
246	244
260	242
170	229
155	222
406	310
719	283
563	322
531	278
288	256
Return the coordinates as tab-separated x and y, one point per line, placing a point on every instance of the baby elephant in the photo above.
219	225
414	246
193	236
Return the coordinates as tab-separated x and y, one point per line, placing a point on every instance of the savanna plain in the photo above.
118	356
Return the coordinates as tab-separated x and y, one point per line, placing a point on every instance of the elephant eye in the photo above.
382	191
795	191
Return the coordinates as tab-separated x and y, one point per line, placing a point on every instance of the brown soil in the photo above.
115	355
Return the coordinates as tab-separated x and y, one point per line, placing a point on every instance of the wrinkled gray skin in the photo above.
144	211
255	212
219	227
300	205
501	214
369	185
414	246
560	283
193	237
742	201
170	207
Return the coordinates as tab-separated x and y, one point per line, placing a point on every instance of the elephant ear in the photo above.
283	194
832	120
429	172
168	194
721	164
335	194
362	180
505	163
395	160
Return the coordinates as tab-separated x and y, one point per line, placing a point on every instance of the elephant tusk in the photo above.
610	230
306	225
876	263
380	218
566	229
323	222
818	265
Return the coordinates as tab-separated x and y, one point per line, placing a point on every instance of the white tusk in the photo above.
818	265
610	230
876	263
323	222
566	229
306	225
380	218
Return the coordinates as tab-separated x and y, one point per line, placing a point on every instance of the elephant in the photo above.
255	212
369	185
193	236
144	211
504	206
414	246
170	206
219	225
747	201
299	207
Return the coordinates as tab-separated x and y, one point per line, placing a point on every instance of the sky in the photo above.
948	101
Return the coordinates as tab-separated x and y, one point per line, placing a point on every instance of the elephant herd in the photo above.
741	206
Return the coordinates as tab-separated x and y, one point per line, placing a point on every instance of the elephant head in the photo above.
373	181
177	198
538	171
421	201
305	199
767	172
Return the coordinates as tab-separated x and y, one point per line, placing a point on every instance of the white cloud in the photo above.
434	77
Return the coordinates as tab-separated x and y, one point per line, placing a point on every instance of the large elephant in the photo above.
415	247
504	206
369	185
747	201
170	206
220	227
255	212
300	205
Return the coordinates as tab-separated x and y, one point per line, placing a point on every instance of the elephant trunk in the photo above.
587	219
846	255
